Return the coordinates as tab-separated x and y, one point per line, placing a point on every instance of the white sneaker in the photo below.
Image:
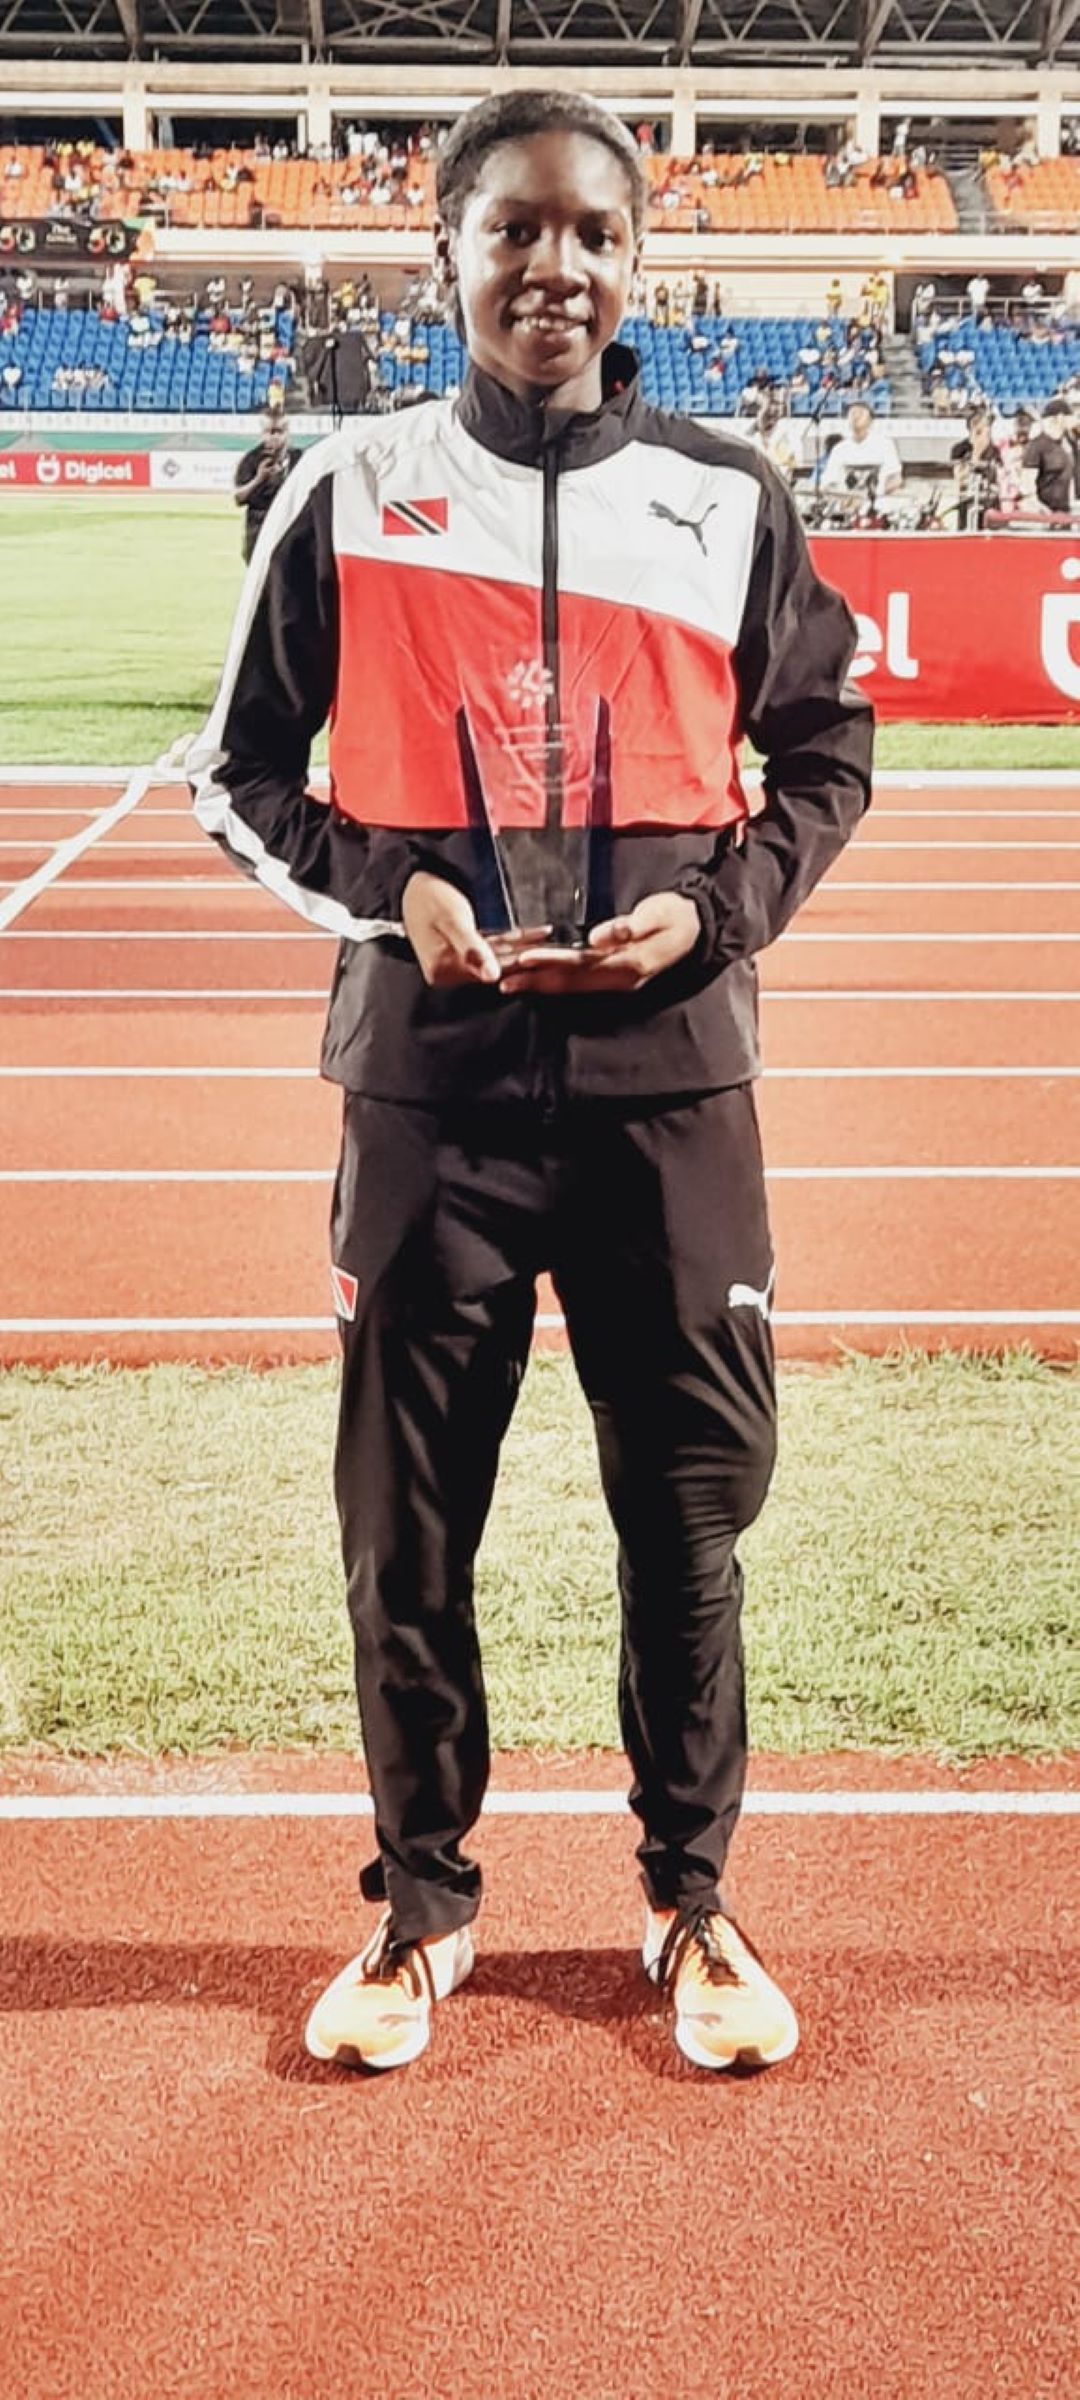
728	2010
377	2012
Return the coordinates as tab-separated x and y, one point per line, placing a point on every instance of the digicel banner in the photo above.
983	625
75	470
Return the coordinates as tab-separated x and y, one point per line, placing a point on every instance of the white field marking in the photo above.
276	1175
900	779
861	848
544	1323
198	849
847	883
943	816
237	889
67	852
225	933
212	881
988	940
61	776
178	993
216	1074
245	933
772	994
101	1807
167	991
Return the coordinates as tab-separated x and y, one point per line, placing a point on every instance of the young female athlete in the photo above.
544	563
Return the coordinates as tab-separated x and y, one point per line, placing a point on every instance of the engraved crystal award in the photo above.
537	777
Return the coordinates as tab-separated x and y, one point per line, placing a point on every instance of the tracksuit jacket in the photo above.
471	585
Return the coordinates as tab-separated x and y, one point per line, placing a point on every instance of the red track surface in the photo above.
863	981
551	2205
551	2202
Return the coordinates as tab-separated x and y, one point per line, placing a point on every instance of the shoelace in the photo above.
404	1959
695	1928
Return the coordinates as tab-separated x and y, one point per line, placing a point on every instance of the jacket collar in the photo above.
521	430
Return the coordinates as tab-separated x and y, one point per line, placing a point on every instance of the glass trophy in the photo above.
537	782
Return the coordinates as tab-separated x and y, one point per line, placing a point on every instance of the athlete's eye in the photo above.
516	232
599	237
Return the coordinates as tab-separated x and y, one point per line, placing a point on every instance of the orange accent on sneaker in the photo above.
377	2011
728	2009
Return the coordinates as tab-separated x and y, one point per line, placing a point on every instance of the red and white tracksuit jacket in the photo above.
469	588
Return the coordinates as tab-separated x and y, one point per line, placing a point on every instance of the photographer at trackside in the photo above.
260	475
865	453
1052	460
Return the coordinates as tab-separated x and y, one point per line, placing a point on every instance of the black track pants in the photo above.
653	1225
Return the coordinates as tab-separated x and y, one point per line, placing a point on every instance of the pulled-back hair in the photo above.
513	117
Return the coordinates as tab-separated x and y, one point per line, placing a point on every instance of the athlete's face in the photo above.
543	260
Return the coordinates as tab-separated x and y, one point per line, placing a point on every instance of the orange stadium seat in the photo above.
1044	197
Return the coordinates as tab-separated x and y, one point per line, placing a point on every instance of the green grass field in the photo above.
172	1579
123	611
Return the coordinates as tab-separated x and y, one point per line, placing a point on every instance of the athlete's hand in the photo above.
442	929
621	955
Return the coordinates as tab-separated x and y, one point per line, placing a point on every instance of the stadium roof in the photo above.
657	33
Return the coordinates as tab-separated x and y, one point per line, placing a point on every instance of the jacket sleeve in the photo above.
248	767
814	729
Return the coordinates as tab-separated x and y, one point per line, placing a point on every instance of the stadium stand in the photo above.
1040	198
714	193
75	359
1008	369
695	381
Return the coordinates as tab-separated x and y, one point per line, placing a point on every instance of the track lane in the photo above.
294	2236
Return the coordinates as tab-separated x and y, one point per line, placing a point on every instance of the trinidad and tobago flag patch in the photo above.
416	516
345	1288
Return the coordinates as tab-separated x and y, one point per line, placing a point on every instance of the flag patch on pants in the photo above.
345	1288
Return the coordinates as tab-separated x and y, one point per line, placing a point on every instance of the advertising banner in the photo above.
63	241
981	626
193	470
74	470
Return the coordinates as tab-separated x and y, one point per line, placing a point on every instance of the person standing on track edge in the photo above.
260	475
592	1115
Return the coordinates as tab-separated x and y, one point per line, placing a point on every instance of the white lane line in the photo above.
771	995
946	816
901	779
65	853
881	999
246	933
553	1323
862	847
890	883
221	933
212	881
61	776
249	1074
201	1806
167	991
238	889
276	1175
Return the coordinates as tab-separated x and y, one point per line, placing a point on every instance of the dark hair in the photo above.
514	117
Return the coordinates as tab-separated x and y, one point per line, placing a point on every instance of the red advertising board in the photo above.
983	625
75	470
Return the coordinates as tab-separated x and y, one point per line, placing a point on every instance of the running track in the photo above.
167	1146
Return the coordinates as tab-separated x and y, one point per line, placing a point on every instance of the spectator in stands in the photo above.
975	463
978	292
11	376
1052	461
834	297
260	475
865	451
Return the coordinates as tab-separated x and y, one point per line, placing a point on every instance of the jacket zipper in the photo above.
553	749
